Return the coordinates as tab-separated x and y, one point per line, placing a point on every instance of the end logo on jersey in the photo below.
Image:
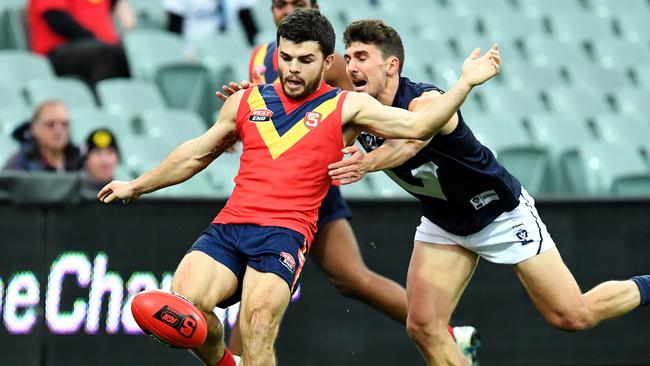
480	200
260	115
312	120
287	260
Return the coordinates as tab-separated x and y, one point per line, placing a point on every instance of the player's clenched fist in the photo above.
117	190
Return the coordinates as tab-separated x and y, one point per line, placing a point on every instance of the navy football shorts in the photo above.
333	207
269	249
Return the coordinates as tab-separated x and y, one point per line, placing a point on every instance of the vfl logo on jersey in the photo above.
370	142
312	120
480	200
287	260
260	115
522	235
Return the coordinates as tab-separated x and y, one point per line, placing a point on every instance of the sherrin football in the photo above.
169	318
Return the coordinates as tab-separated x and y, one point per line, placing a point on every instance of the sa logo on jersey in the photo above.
312	120
260	115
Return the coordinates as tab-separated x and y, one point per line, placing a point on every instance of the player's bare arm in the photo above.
391	153
184	162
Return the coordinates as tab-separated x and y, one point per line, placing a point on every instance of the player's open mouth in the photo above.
359	84
294	83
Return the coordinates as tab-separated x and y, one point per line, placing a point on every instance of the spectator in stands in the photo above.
79	37
100	158
45	141
194	19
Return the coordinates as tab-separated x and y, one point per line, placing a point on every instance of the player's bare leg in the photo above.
205	282
336	251
556	294
437	277
265	297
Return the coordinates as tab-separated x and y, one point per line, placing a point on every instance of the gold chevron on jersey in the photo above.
284	130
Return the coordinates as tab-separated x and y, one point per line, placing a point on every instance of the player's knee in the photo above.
260	325
426	331
184	289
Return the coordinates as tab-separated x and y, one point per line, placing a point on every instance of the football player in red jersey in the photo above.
255	248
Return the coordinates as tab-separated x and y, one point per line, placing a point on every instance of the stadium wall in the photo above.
68	271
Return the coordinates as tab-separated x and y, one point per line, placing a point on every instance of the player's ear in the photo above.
329	60
392	65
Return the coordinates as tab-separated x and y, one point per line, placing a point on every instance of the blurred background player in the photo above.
258	242
472	207
45	141
79	37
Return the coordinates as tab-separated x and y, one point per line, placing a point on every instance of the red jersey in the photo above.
283	175
94	15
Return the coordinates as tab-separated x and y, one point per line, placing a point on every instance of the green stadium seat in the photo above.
73	92
265	21
634	102
185	86
199	186
541	8
622	130
463	7
574	101
426	50
523	75
84	120
10	96
601	169
598	77
417	71
611	9
509	23
8	147
148	49
634	28
361	189
514	148
128	98
508	48
445	24
620	54
645	151
12	117
122	172
500	100
150	14
172	126
384	187
13	25
31	66
141	153
580	27
223	171
544	51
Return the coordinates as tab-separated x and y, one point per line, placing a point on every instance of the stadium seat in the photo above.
141	153
465	44
416	70
645	151
543	51
642	75
598	77
128	98
509	23
601	168
463	7
184	85
147	50
445	24
73	92
574	101
13	25
634	102
523	75
31	66
500	100
172	126
620	54
8	147
622	130
426	50
580	27
11	96
199	186
223	171
361	189
150	14
634	28
609	9
84	120
540	8
383	186
12	117
514	148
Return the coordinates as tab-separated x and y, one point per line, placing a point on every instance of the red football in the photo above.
169	318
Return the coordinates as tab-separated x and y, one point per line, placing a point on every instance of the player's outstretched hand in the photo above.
233	87
349	170
478	69
117	190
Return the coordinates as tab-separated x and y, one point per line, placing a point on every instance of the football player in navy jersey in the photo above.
472	207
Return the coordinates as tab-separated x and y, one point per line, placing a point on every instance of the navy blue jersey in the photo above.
459	182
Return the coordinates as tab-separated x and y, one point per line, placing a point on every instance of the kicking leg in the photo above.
437	277
265	297
205	282
336	252
556	294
